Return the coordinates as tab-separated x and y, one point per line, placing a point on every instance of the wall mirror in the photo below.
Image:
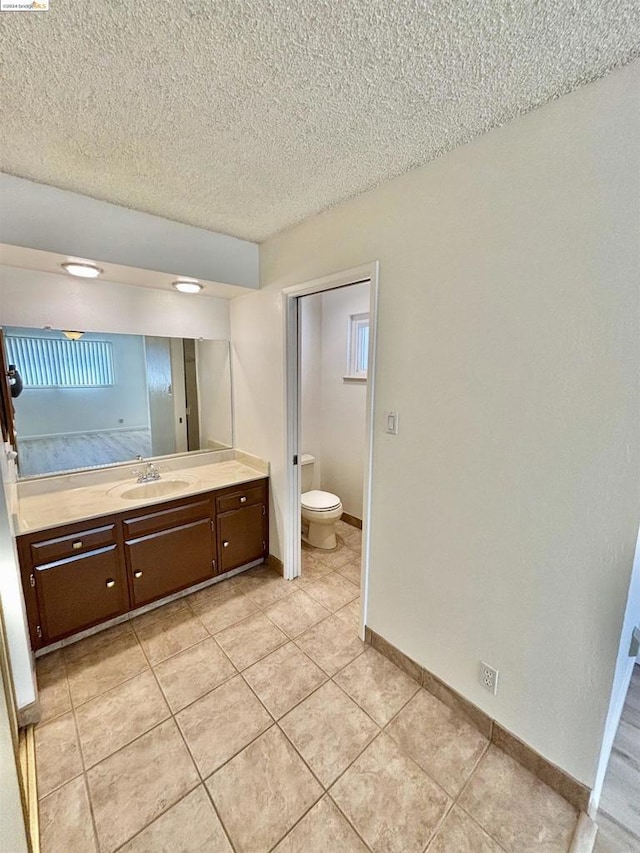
84	399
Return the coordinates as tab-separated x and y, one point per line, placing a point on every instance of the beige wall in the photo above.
504	515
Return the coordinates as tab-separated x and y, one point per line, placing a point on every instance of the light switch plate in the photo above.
391	422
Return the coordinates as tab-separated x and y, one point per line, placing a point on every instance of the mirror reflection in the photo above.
90	398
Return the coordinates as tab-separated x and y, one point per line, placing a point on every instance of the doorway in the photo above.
292	297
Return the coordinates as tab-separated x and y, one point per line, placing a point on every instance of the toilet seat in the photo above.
319	501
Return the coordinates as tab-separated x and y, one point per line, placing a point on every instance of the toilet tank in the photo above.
306	471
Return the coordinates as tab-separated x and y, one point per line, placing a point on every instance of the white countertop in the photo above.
79	499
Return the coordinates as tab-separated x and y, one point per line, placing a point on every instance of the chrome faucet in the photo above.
148	474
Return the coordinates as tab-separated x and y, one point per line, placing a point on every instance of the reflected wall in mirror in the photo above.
97	399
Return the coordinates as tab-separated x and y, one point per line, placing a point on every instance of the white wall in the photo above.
32	298
54	220
214	394
343	422
55	411
333	410
310	322
504	515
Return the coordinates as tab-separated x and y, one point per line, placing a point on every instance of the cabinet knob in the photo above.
243	500
77	545
111	583
137	574
225	544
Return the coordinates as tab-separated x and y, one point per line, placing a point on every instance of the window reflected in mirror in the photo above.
91	399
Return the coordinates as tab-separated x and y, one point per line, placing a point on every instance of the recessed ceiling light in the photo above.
187	286
82	270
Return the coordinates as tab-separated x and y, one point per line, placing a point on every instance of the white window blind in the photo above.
55	363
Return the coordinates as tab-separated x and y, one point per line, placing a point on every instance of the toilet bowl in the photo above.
320	511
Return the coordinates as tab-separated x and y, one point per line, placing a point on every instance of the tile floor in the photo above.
249	717
619	814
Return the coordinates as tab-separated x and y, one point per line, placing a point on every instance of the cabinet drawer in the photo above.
76	543
153	522
79	592
241	498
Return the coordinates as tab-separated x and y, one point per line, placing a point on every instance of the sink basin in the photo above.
154	489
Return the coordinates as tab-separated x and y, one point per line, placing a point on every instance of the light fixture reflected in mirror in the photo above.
73	336
187	286
81	269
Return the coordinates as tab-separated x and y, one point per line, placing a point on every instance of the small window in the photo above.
54	363
358	347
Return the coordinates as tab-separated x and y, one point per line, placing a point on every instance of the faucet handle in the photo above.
152	471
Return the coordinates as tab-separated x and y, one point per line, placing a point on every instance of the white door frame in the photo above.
291	297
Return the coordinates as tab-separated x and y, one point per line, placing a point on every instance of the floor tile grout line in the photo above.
382	727
300	701
219	816
76	644
348	820
471	817
480	826
408	757
332	675
203	696
481	757
301	818
75	776
68	691
337	804
195	643
113	686
400	710
157	817
327	788
85	780
102	692
439	825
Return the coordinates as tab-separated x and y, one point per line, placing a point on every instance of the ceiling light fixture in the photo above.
185	286
73	336
82	270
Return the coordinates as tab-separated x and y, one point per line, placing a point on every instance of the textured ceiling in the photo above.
245	117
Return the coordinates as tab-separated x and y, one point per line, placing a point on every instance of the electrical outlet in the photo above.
489	677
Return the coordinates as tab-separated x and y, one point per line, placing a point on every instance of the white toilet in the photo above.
320	510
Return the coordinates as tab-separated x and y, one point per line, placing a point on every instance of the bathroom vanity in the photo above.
77	575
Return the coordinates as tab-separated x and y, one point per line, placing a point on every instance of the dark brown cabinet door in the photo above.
170	560
241	536
79	592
